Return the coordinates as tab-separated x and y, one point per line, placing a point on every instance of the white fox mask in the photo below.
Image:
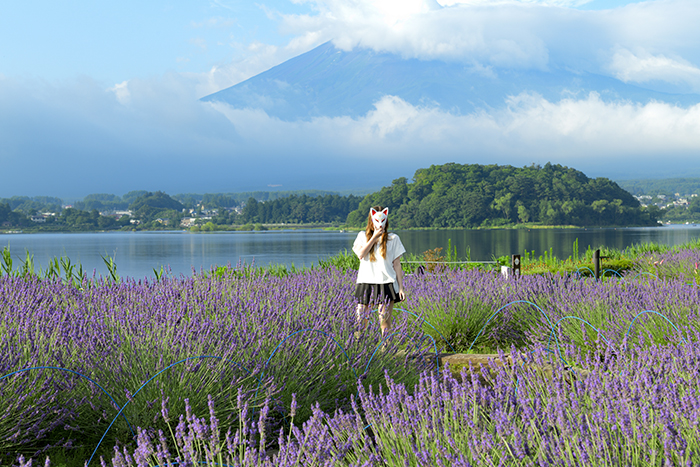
379	217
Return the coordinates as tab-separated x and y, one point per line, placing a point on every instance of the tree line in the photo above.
441	196
302	209
158	210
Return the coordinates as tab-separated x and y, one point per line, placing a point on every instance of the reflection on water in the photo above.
484	244
138	253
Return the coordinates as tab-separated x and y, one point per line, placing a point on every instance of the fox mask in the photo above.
379	217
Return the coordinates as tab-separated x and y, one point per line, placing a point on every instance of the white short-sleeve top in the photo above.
381	270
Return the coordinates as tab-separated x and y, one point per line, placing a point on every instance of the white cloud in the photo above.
121	91
645	67
529	126
535	34
504	34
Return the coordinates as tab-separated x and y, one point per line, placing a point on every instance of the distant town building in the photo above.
188	221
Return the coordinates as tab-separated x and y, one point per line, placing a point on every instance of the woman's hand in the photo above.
370	244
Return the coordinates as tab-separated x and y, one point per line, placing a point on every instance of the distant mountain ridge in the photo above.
327	81
664	186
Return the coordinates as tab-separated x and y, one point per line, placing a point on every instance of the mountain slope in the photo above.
330	82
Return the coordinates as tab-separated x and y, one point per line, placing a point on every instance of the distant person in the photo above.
380	278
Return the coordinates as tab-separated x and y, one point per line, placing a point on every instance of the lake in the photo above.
138	253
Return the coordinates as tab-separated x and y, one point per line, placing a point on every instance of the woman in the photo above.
380	278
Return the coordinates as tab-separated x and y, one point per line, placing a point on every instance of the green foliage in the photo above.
455	325
10	218
345	261
132	196
154	202
218	200
28	206
456	195
7	261
72	274
101	202
111	267
70	219
614	262
159	273
689	213
299	209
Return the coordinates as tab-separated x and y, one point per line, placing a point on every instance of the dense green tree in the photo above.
189	200
10	218
217	201
297	209
250	210
32	205
132	196
151	206
101	202
694	205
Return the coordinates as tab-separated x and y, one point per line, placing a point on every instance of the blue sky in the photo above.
102	96
117	41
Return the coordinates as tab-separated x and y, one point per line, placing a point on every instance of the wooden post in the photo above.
515	264
596	263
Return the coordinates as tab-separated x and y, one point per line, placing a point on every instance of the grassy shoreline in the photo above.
324	226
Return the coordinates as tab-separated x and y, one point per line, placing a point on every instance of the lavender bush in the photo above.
306	399
675	264
640	410
121	334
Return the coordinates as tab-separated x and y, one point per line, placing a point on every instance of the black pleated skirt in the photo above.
376	293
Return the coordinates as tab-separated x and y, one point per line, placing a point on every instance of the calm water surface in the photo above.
138	253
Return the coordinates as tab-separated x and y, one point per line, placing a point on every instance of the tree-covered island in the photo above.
441	196
473	195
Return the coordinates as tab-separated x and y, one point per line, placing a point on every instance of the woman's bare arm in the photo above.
399	277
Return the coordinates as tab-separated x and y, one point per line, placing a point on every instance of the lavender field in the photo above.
249	368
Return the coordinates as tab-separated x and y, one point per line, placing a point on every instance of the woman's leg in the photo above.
386	317
362	314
